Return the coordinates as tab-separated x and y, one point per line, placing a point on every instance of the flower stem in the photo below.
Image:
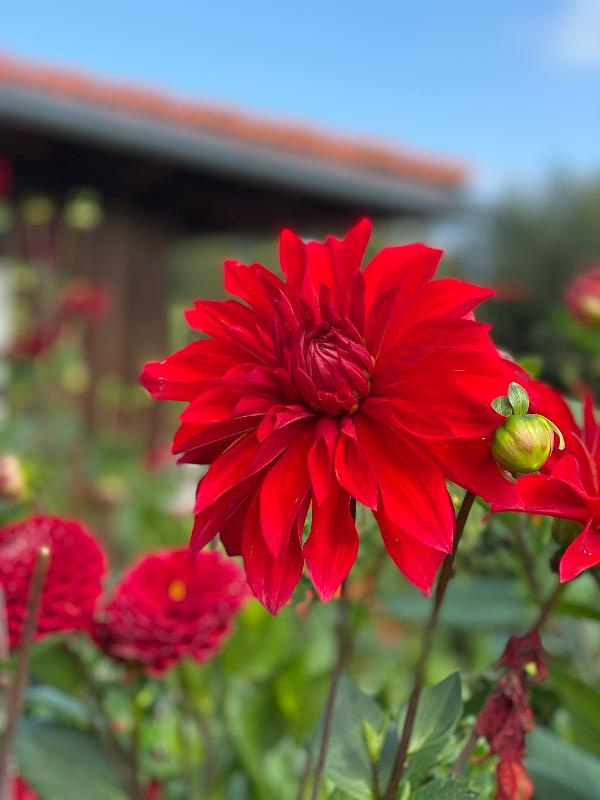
343	641
19	684
411	711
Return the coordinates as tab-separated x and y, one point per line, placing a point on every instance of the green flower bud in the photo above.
373	740
523	443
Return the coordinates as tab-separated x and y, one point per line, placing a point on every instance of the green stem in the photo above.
19	684
187	766
420	669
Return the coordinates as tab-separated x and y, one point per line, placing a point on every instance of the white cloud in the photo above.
573	36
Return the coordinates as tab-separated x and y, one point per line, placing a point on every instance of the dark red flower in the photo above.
513	781
506	717
522	651
6	176
583	296
171	605
568	486
334	384
21	791
84	298
73	581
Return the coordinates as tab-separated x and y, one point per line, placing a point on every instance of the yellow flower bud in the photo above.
12	479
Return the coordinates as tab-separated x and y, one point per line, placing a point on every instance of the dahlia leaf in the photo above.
438	714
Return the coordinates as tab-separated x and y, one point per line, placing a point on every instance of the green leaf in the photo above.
559	769
578	610
438	713
348	765
519	399
58	704
445	790
471	603
583	704
502	406
63	763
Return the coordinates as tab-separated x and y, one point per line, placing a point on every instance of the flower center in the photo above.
177	590
332	369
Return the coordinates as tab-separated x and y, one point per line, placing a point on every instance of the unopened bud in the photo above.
523	443
12	479
373	741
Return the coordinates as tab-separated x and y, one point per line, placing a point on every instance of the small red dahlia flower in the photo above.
329	386
72	584
568	486
6	176
171	605
84	298
21	791
583	296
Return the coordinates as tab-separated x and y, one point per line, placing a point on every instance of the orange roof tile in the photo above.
168	109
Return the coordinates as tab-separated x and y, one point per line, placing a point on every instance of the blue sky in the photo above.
512	88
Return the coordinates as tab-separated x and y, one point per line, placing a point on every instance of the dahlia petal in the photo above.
380	318
247	282
406	268
320	457
212	520
448	297
406	416
416	561
591	429
567	468
356	304
355	472
469	463
271	581
547	401
280	416
284	490
443	332
224	473
231	320
217	317
332	546
347	262
292	257
544	494
581	554
413	488
185	373
464	385
231	531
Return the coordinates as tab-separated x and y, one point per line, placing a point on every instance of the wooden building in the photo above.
167	167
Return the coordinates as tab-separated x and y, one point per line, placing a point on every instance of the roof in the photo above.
221	138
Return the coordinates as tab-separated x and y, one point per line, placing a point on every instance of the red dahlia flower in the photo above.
568	486
332	384
21	791
171	605
72	584
583	296
6	176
